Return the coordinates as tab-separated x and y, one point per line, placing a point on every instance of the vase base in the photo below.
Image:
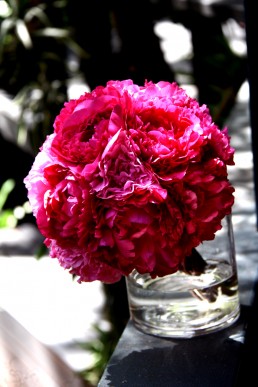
185	324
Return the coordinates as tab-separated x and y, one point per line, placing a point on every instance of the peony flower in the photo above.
133	177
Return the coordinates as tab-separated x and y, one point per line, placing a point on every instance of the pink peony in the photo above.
133	177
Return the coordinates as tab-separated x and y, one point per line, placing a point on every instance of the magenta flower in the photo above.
132	178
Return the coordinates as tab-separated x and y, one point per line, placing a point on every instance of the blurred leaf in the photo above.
101	349
42	251
5	190
37	12
7	219
52	32
5	9
23	33
6	26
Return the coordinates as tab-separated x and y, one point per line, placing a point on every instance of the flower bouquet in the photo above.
133	178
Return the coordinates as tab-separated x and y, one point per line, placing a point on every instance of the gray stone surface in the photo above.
244	210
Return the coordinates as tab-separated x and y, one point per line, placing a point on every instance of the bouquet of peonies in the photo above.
133	177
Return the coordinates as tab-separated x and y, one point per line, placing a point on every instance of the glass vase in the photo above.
184	305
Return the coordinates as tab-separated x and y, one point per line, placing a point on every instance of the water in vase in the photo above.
182	305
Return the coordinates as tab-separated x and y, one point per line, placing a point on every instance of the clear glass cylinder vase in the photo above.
183	305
